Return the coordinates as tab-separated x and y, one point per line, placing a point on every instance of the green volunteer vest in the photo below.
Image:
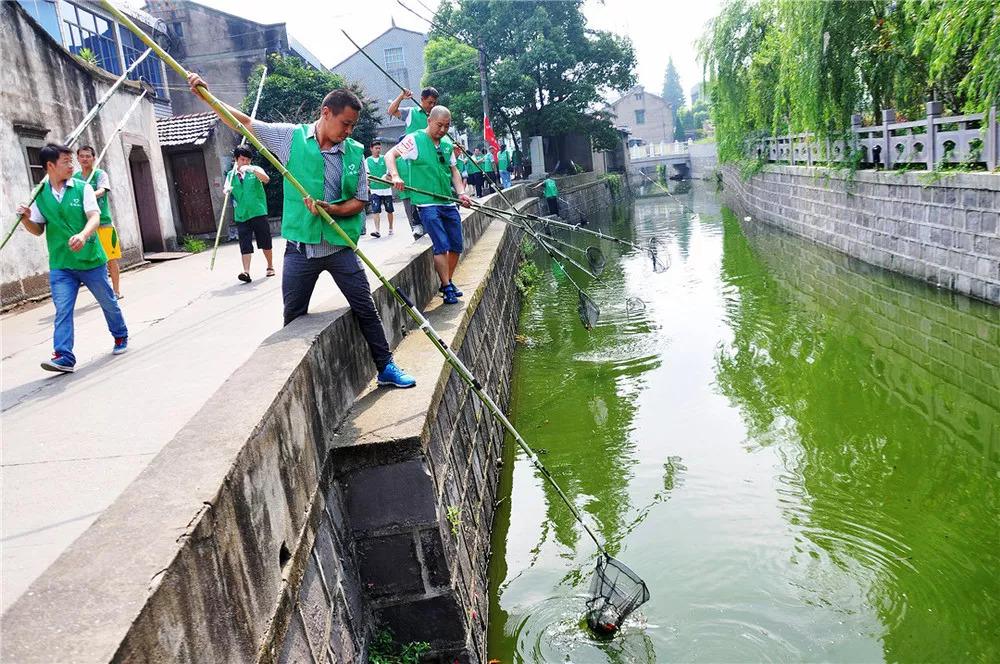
550	188
102	202
64	219
416	120
249	200
504	160
306	163
463	164
377	168
427	171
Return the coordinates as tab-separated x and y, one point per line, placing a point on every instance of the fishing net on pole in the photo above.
615	592
588	310
596	259
661	260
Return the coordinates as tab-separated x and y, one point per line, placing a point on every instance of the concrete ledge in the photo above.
194	559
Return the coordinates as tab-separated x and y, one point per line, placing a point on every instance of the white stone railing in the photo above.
934	141
661	149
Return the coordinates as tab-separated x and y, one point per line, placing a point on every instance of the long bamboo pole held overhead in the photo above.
408	306
74	135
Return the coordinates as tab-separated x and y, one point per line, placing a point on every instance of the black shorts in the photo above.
377	202
250	229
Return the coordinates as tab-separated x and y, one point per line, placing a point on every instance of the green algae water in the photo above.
799	453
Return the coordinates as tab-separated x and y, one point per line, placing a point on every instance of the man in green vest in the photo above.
107	234
432	168
462	163
380	195
67	212
331	166
503	163
476	175
246	185
551	194
416	119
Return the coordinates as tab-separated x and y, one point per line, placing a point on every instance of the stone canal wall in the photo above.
302	510
943	231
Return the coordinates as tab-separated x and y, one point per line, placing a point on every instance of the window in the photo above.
85	29
638	96
149	70
394	58
640	116
32	139
44	11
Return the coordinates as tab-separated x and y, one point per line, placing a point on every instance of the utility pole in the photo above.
484	90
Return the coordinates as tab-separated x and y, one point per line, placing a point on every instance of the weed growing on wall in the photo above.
193	245
385	650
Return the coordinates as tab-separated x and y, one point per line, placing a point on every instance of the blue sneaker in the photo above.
449	294
393	375
59	363
121	345
451	284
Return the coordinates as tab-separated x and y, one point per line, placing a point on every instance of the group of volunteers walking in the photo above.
73	213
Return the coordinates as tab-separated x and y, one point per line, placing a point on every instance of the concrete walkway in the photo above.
72	443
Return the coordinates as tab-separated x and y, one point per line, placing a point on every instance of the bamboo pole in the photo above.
74	135
225	199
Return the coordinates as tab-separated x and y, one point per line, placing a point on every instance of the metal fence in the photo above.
933	142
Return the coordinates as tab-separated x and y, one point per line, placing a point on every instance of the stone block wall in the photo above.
940	231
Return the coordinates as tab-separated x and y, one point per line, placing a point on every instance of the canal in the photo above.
799	453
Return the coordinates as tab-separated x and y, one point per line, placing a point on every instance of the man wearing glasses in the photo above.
429	154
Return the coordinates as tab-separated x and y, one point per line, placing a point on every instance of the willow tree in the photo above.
781	66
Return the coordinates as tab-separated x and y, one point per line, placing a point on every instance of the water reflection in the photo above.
885	395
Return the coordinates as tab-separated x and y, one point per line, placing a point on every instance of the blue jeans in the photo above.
65	285
504	179
298	279
444	225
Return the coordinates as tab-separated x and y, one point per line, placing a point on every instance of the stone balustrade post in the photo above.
992	140
854	140
888	117
934	109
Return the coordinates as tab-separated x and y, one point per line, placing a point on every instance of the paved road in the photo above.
72	443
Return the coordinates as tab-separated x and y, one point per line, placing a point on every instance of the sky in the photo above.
660	29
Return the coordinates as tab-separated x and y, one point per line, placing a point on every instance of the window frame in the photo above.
31	139
640	116
392	65
107	47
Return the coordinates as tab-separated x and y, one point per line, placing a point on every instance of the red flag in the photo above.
491	140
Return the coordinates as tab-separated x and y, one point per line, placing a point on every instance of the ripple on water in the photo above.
554	630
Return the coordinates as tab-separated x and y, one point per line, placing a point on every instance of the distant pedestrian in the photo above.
476	176
517	163
246	183
331	167
380	194
416	120
106	232
503	165
551	193
462	163
67	212
433	169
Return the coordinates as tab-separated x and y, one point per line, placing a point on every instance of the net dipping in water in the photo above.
615	592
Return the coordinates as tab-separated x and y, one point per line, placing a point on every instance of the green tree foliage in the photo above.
294	92
690	121
547	70
781	66
673	93
450	66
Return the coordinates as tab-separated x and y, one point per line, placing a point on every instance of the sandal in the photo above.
244	277
270	271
